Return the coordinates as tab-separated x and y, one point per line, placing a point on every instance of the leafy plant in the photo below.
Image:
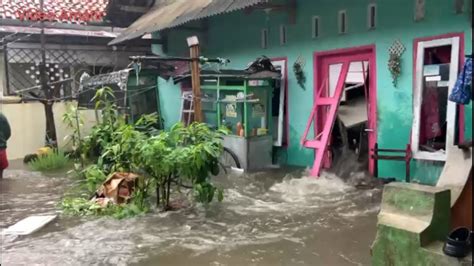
298	67
51	161
74	122
84	207
184	157
394	66
94	176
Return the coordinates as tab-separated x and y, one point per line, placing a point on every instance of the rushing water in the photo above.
267	218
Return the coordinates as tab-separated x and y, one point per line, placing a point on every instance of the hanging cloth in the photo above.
430	127
462	93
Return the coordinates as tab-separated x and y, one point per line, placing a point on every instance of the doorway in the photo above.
355	126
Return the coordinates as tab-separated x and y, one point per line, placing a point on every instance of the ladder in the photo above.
187	100
320	142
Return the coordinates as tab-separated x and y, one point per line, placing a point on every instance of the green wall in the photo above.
237	36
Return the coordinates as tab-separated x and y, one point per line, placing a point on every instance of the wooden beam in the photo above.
133	9
193	44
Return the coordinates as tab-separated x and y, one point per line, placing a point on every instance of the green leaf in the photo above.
220	195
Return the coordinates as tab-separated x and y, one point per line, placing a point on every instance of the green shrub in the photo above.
85	207
183	157
52	161
94	177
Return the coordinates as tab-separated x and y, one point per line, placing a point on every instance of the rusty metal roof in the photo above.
172	13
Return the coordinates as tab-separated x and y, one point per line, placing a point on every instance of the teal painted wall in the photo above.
237	36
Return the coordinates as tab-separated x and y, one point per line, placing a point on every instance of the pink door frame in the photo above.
286	134
322	60
461	125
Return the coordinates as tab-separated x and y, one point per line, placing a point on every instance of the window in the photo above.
316	26
459	6
282	35
372	16
264	38
279	106
342	22
419	10
434	120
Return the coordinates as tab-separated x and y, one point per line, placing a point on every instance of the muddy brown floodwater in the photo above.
276	217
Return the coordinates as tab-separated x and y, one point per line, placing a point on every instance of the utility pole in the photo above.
48	92
193	44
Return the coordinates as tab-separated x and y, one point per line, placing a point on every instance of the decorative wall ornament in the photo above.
298	70
394	62
419	10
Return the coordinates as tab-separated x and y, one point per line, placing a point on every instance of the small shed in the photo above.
136	93
242	102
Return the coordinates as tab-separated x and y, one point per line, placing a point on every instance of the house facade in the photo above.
424	35
73	45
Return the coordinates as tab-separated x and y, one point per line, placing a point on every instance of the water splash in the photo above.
286	215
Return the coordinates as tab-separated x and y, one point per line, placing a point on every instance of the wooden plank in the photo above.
456	172
310	121
389	158
193	44
353	113
390	150
29	225
330	119
221	87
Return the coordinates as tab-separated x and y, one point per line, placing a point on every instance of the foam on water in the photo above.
258	210
298	189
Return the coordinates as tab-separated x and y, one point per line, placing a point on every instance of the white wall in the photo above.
28	124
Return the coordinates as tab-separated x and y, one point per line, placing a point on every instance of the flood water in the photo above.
276	217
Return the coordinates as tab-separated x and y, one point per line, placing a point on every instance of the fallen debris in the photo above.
29	225
117	189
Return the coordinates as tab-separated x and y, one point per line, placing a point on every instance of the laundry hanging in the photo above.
430	127
462	93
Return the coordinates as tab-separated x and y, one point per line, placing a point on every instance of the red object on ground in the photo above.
3	159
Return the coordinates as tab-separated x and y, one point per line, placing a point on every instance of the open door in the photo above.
327	106
345	89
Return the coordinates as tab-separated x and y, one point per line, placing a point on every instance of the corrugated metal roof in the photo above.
172	13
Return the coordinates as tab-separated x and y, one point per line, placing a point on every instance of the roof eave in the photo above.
149	25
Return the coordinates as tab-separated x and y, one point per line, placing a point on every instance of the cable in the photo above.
12	34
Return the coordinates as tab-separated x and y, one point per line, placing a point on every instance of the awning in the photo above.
171	13
230	73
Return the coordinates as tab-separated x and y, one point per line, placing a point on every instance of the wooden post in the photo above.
376	160
49	94
407	163
193	44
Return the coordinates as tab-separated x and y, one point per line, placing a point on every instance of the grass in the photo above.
52	161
